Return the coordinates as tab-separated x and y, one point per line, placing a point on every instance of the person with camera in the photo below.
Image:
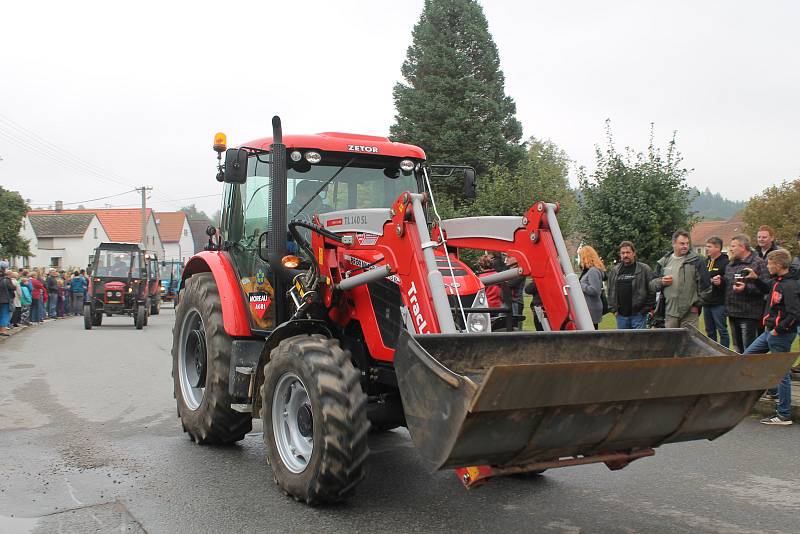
780	322
682	278
744	300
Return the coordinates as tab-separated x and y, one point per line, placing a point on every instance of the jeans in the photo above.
52	303
766	342
714	317
37	310
77	303
632	322
5	315
744	331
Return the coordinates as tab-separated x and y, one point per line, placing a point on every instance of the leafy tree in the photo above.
641	197
12	210
193	214
779	207
453	103
542	175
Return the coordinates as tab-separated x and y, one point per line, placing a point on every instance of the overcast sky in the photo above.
134	92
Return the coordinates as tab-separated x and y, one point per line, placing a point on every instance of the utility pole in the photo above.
144	190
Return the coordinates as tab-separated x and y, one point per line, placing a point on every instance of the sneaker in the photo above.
776	420
769	397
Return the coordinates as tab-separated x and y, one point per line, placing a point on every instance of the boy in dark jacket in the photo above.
780	322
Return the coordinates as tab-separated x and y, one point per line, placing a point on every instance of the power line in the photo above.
83	201
29	140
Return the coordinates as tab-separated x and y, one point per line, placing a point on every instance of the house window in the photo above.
185	232
95	232
55	263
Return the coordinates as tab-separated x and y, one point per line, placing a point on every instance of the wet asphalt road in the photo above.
89	442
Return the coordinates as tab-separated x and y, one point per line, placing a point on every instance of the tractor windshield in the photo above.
116	263
170	271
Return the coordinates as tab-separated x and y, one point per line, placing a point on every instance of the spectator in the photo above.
61	297
51	283
592	274
744	301
536	302
37	293
25	299
7	291
796	260
781	319
516	286
78	286
629	295
766	241
681	276
16	308
714	304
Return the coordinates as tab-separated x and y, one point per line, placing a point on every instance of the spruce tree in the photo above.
453	103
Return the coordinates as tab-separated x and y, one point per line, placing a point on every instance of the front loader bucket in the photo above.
514	399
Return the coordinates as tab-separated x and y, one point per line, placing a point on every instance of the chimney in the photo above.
59	205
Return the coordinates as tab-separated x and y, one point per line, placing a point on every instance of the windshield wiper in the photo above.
323	186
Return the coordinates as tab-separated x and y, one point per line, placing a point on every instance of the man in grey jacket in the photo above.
629	295
682	277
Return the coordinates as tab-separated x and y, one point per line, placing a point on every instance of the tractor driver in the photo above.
306	203
120	266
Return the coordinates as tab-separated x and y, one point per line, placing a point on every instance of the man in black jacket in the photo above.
766	241
744	301
780	322
714	315
629	295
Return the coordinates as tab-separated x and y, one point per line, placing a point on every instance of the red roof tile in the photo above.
123	225
170	225
725	230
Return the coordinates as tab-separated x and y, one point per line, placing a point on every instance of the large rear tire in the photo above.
87	316
315	419
200	365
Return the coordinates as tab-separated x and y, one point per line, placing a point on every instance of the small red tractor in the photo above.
118	285
332	300
153	282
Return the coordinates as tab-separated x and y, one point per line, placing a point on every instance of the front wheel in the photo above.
87	316
315	419
139	317
200	365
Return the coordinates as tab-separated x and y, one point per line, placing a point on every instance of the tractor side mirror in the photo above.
470	183
262	246
235	166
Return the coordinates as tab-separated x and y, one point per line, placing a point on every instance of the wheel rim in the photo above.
293	423
192	360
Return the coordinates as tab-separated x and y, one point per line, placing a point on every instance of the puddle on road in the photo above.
17	525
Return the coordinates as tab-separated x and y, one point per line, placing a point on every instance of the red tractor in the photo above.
332	300
118	285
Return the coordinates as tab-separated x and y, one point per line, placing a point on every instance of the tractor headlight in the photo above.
117	294
313	157
406	165
479	322
296	155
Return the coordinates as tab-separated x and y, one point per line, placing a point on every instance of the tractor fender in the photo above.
234	314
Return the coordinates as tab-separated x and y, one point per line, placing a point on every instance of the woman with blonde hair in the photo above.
592	269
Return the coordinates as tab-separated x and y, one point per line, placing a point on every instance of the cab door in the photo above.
245	217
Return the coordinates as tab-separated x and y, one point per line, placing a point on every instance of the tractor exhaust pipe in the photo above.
276	241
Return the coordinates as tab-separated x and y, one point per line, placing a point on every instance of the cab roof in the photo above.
120	246
346	143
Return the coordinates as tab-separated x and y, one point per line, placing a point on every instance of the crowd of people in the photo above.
749	296
30	297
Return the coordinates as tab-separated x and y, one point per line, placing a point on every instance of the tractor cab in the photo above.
153	282
118	284
169	273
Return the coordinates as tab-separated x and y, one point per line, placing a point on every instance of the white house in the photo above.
176	234
61	240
